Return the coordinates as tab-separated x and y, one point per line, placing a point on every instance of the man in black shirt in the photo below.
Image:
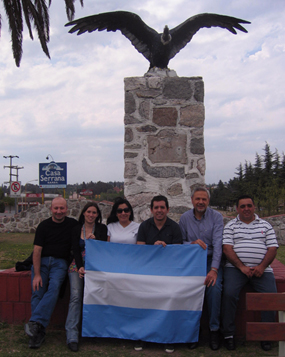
52	246
161	230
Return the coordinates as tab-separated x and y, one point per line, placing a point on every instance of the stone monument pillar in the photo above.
164	140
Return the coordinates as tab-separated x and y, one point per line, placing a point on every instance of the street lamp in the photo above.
49	157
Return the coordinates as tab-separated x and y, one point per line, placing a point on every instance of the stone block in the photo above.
130	155
148	93
167	146
130	103
144	109
197	146
133	83
154	82
175	190
163	171
177	88
146	129
165	116
131	170
199	91
133	147
129	135
201	166
192	115
131	119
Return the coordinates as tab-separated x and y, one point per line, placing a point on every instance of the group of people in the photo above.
238	253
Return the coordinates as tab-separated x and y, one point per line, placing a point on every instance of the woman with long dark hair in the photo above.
90	228
120	224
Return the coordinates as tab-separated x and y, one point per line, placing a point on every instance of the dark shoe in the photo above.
31	328
265	345
37	340
193	345
169	348
73	346
214	340
230	343
139	346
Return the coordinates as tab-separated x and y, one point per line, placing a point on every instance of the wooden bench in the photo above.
267	331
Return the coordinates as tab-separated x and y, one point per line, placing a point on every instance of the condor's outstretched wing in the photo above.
183	33
130	24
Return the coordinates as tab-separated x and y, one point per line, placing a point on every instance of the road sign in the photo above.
53	175
15	189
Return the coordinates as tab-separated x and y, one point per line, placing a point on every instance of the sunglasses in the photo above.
243	206
121	210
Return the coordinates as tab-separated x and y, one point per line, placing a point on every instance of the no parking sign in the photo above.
15	189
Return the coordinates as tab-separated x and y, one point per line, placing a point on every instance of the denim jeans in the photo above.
213	298
234	280
53	272
72	323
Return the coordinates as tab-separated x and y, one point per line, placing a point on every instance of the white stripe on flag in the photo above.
144	291
141	292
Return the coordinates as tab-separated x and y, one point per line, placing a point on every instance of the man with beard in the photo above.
159	230
204	226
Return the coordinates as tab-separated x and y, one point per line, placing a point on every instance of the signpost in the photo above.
53	175
15	189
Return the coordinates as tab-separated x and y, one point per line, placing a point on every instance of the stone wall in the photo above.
164	140
27	221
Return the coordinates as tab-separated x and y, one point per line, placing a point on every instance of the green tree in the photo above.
36	14
265	181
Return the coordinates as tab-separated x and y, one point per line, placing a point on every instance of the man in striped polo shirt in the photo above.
250	245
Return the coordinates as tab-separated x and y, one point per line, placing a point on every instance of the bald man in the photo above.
52	246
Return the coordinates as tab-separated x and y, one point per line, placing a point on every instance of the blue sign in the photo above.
53	175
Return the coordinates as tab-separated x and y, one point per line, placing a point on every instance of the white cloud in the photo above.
72	106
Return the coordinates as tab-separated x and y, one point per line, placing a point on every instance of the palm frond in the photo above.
35	13
39	14
14	13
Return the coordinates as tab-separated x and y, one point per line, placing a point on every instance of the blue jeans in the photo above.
213	298
72	323
234	280
53	272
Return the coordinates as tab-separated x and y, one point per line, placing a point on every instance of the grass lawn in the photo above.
13	341
14	247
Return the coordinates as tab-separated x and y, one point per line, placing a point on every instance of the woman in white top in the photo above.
121	228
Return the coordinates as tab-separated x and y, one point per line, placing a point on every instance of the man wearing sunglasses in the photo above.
250	245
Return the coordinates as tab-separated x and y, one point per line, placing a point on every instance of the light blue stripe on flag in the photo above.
140	292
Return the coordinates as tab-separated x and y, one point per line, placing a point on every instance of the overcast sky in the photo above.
72	106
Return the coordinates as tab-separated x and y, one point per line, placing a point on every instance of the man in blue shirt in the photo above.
204	226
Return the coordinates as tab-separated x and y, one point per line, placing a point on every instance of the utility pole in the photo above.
12	167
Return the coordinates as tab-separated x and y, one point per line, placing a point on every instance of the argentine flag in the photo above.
143	292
